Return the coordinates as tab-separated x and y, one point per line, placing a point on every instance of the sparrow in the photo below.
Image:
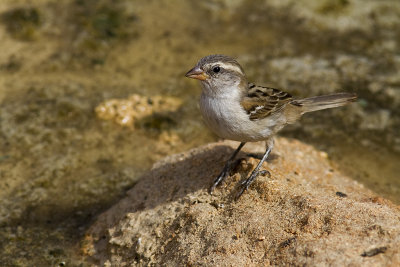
238	110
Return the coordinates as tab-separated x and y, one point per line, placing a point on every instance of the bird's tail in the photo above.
324	101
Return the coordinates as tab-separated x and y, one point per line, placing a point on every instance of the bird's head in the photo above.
218	73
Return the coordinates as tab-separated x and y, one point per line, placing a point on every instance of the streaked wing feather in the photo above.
261	101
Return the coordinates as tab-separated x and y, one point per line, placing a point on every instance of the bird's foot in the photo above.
246	183
219	179
225	172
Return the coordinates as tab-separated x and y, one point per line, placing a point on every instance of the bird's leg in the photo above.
258	156
256	171
227	168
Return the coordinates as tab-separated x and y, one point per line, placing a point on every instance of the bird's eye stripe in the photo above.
227	66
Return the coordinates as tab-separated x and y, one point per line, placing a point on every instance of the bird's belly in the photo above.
229	120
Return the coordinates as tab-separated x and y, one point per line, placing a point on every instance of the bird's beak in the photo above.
197	73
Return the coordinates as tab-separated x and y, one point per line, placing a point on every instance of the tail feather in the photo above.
324	101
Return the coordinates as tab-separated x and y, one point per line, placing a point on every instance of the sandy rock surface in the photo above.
128	110
305	213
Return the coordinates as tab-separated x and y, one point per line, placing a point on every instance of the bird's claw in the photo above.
225	172
244	188
218	180
246	183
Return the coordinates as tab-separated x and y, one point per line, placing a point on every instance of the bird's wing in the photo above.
261	101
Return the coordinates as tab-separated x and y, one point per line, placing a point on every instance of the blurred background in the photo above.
93	93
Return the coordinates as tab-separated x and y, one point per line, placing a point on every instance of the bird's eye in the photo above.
216	69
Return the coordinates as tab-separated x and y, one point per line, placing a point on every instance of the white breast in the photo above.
226	117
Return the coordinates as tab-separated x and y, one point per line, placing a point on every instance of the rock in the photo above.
306	213
126	111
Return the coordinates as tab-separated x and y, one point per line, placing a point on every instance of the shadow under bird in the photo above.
238	110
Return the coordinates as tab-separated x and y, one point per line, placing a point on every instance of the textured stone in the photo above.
307	212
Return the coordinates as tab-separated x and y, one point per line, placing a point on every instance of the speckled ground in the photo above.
305	213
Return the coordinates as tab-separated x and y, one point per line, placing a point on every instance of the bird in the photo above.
238	110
